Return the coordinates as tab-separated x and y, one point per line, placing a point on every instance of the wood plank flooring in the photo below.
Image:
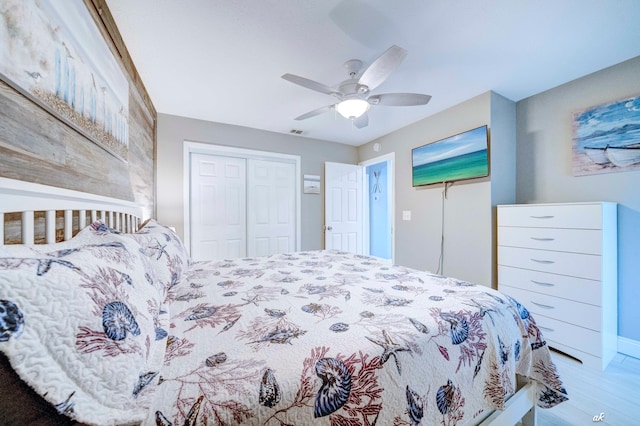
614	392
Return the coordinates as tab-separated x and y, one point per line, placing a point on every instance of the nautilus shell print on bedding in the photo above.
335	388
118	321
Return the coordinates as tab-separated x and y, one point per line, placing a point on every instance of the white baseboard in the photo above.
629	347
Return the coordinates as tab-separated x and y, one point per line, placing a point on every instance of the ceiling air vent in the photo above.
295	132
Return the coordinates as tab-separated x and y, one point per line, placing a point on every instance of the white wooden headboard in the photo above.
26	200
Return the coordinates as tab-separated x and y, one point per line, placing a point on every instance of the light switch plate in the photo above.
406	215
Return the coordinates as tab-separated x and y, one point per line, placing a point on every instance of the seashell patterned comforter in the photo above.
332	338
114	329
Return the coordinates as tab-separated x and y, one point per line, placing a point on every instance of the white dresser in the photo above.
560	262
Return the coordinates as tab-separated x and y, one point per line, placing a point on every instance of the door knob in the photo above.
329	228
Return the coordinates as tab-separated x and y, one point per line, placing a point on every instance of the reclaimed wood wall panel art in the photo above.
53	53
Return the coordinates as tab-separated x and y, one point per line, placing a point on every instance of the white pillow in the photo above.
164	251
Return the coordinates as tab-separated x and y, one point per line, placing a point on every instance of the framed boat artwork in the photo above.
606	138
52	52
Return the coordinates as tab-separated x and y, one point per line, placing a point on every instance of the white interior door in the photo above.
343	207
218	207
271	212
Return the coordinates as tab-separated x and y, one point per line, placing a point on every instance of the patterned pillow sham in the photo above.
81	324
164	251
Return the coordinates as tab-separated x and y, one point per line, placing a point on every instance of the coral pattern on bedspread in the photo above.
332	338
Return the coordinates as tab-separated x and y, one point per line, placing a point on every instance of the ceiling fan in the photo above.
354	94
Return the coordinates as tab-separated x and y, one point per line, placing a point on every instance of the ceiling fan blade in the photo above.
309	84
315	112
362	121
382	67
399	99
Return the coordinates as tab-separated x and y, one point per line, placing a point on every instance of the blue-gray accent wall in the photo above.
379	235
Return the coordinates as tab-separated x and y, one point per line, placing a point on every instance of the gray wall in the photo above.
535	169
174	130
544	134
468	212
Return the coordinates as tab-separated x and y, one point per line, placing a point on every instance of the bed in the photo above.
116	325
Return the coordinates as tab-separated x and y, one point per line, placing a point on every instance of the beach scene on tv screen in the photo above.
463	156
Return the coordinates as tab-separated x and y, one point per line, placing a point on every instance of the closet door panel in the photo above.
218	207
271	196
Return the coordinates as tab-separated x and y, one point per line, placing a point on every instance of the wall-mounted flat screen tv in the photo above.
458	157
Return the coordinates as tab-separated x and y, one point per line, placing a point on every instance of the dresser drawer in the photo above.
587	241
573	336
566	287
583	216
572	264
581	314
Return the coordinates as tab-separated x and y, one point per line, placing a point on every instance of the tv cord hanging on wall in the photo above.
445	190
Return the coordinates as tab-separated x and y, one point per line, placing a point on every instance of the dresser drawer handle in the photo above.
543	306
542	239
542	217
543	284
546	262
545	328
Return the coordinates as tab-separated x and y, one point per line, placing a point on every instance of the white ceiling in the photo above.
221	60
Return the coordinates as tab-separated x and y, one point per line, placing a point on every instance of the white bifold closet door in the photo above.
218	207
271	212
241	207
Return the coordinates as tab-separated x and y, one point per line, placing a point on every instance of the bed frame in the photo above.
520	408
24	199
26	202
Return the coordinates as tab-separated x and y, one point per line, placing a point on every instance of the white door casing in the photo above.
218	207
271	193
344	207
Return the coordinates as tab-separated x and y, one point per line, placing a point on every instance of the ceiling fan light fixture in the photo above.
352	108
